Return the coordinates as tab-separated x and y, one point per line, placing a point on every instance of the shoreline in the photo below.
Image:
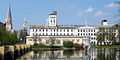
105	46
53	49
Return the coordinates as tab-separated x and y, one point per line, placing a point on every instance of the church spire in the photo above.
8	12
8	20
25	25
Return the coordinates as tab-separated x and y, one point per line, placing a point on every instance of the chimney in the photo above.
104	22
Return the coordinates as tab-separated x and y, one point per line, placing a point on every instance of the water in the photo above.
91	54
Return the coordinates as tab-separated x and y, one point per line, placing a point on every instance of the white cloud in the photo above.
100	13
79	13
110	5
90	9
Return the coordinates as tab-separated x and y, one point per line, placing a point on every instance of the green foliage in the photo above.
106	34
22	35
77	46
68	53
68	44
35	44
7	37
52	41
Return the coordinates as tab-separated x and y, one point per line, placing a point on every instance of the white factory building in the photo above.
41	34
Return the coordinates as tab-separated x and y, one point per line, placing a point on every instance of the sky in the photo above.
69	12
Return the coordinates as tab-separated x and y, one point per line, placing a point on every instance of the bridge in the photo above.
10	52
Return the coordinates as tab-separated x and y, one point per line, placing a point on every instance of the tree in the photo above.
22	36
106	34
101	35
77	46
7	37
68	44
52	41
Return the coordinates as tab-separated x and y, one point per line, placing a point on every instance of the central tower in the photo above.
52	21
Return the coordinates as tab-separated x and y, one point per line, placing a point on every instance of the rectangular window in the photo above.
47	41
33	29
58	41
67	30
71	30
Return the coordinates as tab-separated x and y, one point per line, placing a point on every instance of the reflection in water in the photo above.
91	54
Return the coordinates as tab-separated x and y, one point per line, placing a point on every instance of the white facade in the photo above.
75	32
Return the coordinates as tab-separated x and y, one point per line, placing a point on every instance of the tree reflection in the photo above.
106	54
52	55
68	53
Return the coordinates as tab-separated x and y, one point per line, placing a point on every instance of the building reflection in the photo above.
91	54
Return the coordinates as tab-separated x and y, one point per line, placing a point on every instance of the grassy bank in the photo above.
46	46
105	46
50	48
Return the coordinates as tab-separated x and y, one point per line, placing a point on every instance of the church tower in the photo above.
52	21
25	25
8	20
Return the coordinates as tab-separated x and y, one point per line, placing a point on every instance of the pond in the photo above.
91	54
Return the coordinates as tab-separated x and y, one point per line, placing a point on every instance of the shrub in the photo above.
35	44
68	44
77	46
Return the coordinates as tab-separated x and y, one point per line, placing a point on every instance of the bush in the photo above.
77	46
35	44
68	44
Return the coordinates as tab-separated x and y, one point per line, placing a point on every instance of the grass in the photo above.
104	46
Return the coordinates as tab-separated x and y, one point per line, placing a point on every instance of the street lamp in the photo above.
20	40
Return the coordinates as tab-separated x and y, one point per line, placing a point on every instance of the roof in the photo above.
9	12
54	13
2	24
71	26
41	26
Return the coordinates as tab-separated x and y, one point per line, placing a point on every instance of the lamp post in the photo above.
20	40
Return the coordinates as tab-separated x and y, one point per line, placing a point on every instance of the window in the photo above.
58	41
67	30
71	30
78	30
71	33
36	30
83	30
67	33
51	21
64	30
64	41
33	34
91	34
91	31
77	40
47	41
